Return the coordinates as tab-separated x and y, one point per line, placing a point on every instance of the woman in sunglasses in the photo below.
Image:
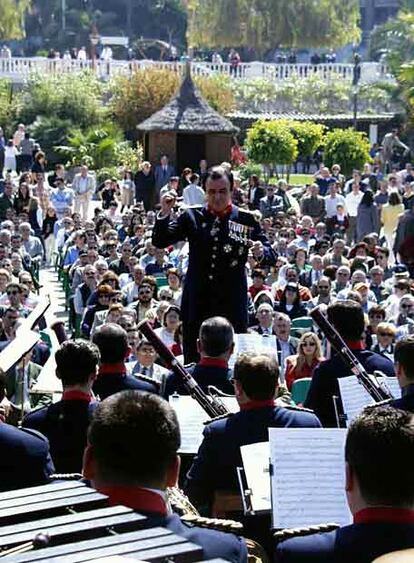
290	302
303	363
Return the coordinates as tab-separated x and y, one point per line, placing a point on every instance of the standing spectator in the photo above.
323	180
3	143
314	204
390	143
59	173
163	172
390	214
26	152
39	164
185	180
333	199
352	201
194	194
61	197
271	203
234	60
10	154
408	195
84	187
303	363
19	135
255	192
47	233
368	218
127	188
145	190
6	200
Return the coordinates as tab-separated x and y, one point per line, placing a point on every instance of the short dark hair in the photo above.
216	336
258	273
132	417
258	375
112	341
348	319
76	360
404	354
378	446
218	173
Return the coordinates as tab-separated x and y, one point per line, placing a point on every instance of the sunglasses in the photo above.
308	344
14	292
323	286
385	334
147	292
407	306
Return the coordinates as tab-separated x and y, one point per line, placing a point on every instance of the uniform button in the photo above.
213	265
210	277
216	239
214	247
213	255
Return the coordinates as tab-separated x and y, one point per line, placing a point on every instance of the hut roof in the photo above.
188	112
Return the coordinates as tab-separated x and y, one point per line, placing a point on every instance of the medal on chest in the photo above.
239	233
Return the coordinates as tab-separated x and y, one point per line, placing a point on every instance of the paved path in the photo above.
53	287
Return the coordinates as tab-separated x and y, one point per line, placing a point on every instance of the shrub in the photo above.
271	142
310	136
50	131
348	148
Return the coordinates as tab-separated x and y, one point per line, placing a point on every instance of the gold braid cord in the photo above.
288	533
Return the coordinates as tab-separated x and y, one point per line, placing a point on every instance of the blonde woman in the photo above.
303	363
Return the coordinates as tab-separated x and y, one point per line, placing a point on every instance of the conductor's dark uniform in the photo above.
208	371
215	282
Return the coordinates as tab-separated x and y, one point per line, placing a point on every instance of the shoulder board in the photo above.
248	213
298	409
289	533
221	417
188	366
230	526
147	379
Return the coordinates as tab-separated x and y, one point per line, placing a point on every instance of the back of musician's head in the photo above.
76	361
257	374
379	445
404	356
112	341
216	337
134	438
348	319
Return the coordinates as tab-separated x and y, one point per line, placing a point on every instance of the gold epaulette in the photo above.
220	417
289	533
148	380
299	409
230	526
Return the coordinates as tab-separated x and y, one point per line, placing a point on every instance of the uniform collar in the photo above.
355	344
384	514
250	405
75	395
225	213
213	362
138	498
106	369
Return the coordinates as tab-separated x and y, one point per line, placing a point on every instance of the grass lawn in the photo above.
296	179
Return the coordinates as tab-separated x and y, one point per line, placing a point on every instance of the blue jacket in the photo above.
24	458
204	375
109	384
324	384
214	467
357	543
406	402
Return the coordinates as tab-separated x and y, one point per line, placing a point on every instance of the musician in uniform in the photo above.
404	368
380	493
255	384
132	457
112	341
219	236
215	345
348	319
65	423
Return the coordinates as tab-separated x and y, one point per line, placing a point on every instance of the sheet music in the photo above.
25	340
192	418
393	385
308	476
38	311
47	382
253	343
256	468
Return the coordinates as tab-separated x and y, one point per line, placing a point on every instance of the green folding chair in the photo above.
301	325
300	390
161	281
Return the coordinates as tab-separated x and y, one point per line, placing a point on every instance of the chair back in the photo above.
300	390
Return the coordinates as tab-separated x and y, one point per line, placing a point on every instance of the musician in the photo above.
404	368
255	384
348	319
380	493
215	345
112	341
219	236
132	457
65	423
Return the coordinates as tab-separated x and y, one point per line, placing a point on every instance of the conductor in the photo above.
219	235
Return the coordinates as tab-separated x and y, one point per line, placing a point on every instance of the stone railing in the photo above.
21	68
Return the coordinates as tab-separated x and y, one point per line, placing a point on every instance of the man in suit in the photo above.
404	369
112	341
286	345
132	457
215	344
270	204
83	185
163	172
65	423
380	494
265	315
219	236
348	319
145	364
255	383
255	193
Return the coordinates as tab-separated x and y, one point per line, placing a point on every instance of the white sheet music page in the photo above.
252	342
191	418
256	468
354	397
308	476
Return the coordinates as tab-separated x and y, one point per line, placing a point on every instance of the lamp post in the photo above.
355	82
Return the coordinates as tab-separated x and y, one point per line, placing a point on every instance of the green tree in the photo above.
271	142
310	136
12	13
266	24
348	148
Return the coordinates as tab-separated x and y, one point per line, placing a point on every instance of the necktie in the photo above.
144	371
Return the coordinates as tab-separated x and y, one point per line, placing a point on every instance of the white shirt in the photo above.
352	200
194	195
332	202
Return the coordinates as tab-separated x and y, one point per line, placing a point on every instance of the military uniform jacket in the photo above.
217	376
109	384
214	467
406	402
357	543
216	279
24	458
65	425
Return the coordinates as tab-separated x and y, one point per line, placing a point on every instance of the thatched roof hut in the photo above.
187	129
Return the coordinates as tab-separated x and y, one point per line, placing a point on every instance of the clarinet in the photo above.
212	406
377	390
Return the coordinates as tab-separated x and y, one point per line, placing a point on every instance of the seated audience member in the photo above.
264	315
139	481
215	345
145	364
170	323
385	340
348	319
304	363
255	384
380	494
65	423
112	341
404	368
290	302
